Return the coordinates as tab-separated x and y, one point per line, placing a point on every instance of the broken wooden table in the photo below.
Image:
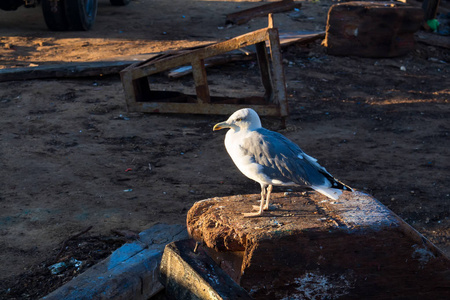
141	98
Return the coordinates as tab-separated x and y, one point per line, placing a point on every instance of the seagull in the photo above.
270	158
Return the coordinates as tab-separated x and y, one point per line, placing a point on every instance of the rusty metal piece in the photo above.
140	98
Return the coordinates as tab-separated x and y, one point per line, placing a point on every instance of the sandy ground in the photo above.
73	157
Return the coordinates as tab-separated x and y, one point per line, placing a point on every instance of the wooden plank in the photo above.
299	37
98	68
209	62
264	68
128	87
242	17
203	108
278	79
200	80
131	272
203	53
430	8
64	70
194	275
286	39
433	39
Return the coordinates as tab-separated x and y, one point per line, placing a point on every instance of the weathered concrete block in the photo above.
312	247
372	29
131	272
189	275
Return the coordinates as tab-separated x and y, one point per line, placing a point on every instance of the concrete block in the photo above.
131	272
189	275
311	247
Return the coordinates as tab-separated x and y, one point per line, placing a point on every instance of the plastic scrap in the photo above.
433	24
60	267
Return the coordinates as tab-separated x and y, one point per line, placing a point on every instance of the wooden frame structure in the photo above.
140	98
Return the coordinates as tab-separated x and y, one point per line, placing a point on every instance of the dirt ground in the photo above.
73	157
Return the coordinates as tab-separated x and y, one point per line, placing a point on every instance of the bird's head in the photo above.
245	118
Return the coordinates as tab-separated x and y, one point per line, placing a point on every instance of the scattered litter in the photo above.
433	59
276	223
75	263
128	190
433	24
128	170
62	266
57	268
444	24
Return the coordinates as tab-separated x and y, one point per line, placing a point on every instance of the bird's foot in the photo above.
252	215
265	207
255	207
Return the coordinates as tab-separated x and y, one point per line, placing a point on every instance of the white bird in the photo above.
269	158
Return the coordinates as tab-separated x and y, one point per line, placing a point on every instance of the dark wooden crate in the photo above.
372	29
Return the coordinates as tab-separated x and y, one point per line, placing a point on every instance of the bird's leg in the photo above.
260	208
263	197
255	214
269	190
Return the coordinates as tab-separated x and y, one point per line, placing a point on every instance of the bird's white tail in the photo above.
328	191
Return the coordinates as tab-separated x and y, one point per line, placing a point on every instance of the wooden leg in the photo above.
263	62
201	82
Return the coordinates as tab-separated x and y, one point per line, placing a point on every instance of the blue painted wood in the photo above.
131	272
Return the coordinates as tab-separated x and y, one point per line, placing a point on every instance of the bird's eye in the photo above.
238	120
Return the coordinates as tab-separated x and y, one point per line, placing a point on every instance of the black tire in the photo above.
55	17
10	4
119	2
80	13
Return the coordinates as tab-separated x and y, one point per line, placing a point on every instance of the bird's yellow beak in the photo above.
221	125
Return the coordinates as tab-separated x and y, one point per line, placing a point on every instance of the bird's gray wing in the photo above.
282	159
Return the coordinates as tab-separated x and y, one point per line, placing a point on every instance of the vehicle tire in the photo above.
55	18
10	4
80	13
119	2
